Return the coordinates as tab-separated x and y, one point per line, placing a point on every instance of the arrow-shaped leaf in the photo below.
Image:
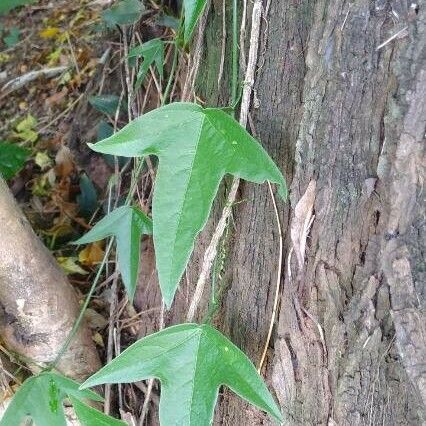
196	148
193	10
192	362
127	224
152	52
41	398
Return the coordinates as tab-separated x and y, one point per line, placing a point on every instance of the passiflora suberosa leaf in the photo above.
126	224
196	147
191	361
41	399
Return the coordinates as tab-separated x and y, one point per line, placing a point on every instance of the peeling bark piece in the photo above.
302	221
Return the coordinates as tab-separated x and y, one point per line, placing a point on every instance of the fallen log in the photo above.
38	306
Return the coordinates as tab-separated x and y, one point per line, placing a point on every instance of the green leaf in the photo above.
88	199
193	10
12	159
12	38
43	160
167	21
6	5
196	147
191	361
127	224
124	12
25	129
107	104
28	123
152	52
41	398
88	416
104	131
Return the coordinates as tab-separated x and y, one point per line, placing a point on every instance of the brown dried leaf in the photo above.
64	161
92	254
56	98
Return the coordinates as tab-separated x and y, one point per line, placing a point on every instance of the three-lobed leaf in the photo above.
152	53
41	398
126	224
192	10
192	362
196	147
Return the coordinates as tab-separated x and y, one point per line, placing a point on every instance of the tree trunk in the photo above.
344	117
38	306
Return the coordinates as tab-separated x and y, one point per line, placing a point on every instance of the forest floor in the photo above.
45	72
63	84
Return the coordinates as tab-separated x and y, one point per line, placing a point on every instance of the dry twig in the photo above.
22	80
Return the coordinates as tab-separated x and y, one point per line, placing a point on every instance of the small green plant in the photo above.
152	53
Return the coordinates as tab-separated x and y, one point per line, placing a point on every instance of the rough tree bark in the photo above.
38	306
344	118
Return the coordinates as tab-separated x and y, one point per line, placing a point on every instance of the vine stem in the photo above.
234	53
211	250
277	287
172	73
148	392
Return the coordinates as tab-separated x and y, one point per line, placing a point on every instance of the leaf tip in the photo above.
97	147
168	299
277	414
283	190
131	293
85	385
